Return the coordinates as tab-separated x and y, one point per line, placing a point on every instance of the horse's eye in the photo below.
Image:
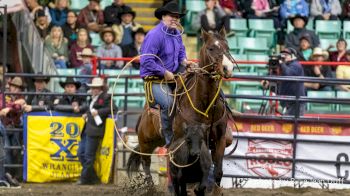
211	49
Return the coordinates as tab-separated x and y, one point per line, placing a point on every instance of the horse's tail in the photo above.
134	162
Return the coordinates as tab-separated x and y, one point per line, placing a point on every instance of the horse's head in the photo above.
194	135
215	54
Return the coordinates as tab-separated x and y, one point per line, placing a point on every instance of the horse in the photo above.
192	150
214	63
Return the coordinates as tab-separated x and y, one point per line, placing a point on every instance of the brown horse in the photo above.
214	64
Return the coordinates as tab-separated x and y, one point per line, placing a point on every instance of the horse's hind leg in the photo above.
146	162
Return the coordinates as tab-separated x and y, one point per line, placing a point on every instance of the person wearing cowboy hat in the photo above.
164	41
68	102
109	49
96	113
292	39
112	12
133	49
86	69
39	102
319	71
91	17
127	26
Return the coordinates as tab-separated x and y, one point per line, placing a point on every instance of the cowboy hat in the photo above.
107	30
128	10
96	82
16	81
41	77
304	18
319	52
87	52
171	7
70	80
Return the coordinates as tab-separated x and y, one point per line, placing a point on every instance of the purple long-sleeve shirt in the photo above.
168	48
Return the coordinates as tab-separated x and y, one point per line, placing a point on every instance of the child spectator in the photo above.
125	29
133	49
76	49
86	68
57	45
91	17
59	13
42	23
340	54
319	71
293	38
305	50
109	49
71	27
325	9
343	72
112	12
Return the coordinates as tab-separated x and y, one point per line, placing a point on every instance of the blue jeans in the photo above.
60	64
87	153
165	101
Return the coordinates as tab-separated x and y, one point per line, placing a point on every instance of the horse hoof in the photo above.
149	180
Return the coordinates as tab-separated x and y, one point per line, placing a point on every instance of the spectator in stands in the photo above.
109	49
325	9
34	7
70	28
128	25
112	12
305	50
42	23
346	10
133	49
76	49
291	8
343	72
69	102
319	71
93	132
91	17
39	102
231	8
212	18
340	54
11	116
59	13
246	7
293	38
86	68
291	67
57	45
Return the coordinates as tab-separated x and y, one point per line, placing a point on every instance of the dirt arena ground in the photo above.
71	189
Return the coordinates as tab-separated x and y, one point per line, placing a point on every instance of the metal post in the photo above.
296	123
4	54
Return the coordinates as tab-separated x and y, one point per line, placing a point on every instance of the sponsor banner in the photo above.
279	149
51	143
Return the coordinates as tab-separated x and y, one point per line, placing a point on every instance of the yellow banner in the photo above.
51	145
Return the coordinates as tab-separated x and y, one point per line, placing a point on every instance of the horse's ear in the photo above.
223	32
204	35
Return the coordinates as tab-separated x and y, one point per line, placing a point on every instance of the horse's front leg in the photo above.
218	156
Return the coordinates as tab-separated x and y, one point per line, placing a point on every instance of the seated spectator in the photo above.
76	48
109	49
231	8
293	38
42	23
125	29
291	8
69	102
212	18
91	17
70	28
346	10
246	7
57	45
34	6
112	12
39	102
319	71
340	54
325	9
305	50
86	68
133	49
343	72
59	13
